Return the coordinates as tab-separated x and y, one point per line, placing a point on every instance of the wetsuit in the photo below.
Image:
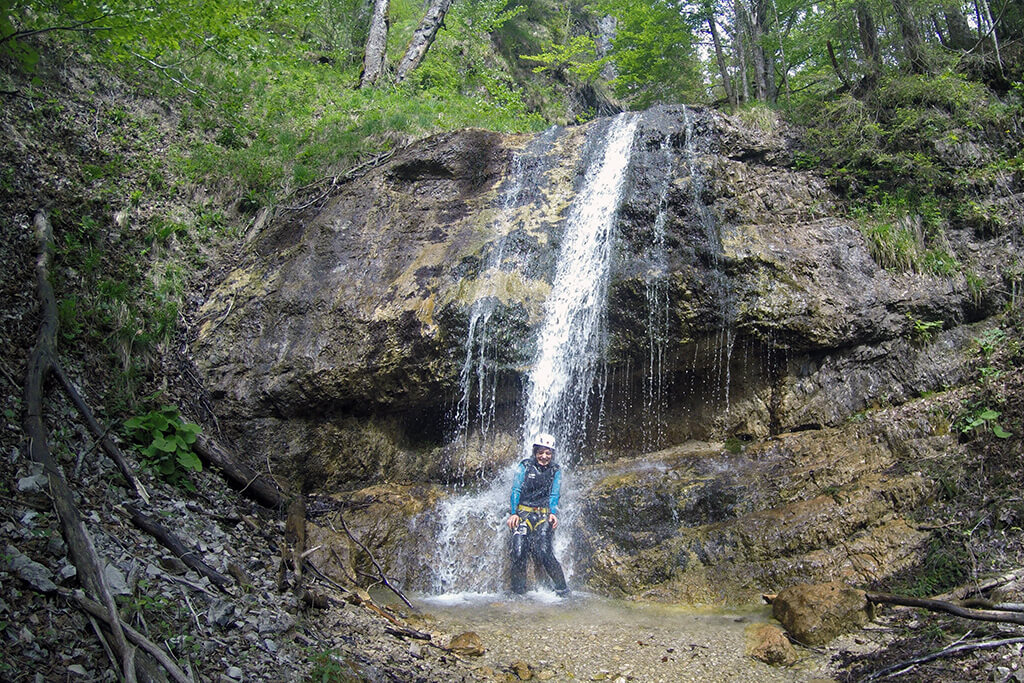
535	492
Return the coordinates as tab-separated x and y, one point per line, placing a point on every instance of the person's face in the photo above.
544	456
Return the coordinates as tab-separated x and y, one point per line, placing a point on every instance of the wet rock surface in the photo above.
349	325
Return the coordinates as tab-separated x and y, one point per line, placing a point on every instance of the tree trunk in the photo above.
764	80
730	93
80	547
423	38
740	45
868	34
376	42
249	482
911	36
958	31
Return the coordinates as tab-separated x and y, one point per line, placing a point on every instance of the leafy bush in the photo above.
166	443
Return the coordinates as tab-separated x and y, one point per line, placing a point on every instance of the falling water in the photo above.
562	374
569	343
478	376
725	339
656	290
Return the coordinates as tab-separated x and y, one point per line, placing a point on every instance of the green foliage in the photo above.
329	667
654	52
981	418
912	138
922	331
907	235
990	341
945	566
165	442
734	445
578	56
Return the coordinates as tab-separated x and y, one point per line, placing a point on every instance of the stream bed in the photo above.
590	638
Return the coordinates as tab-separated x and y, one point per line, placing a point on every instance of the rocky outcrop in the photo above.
742	310
348	324
701	524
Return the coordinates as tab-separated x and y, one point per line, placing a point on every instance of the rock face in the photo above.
343	348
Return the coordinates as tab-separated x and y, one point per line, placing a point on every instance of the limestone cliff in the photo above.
741	304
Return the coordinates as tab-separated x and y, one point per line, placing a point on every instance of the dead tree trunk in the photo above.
1007	617
174	544
80	547
250	483
730	92
376	42
423	38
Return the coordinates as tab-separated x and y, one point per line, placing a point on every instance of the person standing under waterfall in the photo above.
534	507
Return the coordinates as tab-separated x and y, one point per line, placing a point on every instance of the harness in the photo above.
532	518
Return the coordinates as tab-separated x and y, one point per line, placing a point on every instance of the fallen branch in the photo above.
96	610
354	172
983	587
172	543
956	649
947	607
99	433
40	363
982	603
380	570
251	483
407	632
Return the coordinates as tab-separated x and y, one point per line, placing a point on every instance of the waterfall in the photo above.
657	300
724	341
471	538
569	344
475	409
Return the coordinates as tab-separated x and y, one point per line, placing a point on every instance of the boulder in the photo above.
467	644
814	614
769	644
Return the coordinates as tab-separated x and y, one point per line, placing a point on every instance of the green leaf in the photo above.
1000	432
162	444
189	461
134	422
988	414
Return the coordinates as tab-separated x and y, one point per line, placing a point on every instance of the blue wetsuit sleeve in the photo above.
556	486
517	488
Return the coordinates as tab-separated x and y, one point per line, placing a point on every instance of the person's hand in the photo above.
553	521
513	522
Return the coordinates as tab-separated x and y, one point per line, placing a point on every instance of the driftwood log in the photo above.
174	544
1008	617
83	555
249	482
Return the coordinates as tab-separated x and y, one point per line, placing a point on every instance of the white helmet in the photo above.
544	440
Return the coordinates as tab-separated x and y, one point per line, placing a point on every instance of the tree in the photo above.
423	38
376	42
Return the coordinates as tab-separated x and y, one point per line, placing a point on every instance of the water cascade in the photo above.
475	410
655	385
471	537
718	351
570	340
